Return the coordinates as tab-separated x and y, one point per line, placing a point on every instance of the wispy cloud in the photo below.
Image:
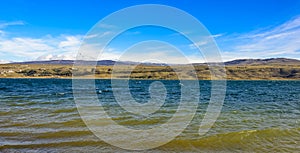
279	41
204	41
99	35
2	32
4	24
217	35
197	44
106	26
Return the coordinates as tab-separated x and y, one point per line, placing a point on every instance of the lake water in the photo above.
257	116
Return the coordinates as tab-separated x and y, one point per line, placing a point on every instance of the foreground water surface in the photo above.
257	116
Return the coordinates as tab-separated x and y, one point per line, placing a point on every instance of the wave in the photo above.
51	144
265	140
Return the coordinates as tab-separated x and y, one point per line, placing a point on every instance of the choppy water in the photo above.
257	116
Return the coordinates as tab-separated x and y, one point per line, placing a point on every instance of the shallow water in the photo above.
41	115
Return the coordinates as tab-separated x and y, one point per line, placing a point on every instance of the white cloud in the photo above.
4	61
69	42
204	41
24	46
280	41
110	56
217	35
6	24
106	33
2	32
44	48
197	44
47	57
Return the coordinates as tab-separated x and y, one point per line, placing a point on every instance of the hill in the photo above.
269	61
71	62
242	69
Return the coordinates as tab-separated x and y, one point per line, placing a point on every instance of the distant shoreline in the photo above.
145	79
266	69
85	78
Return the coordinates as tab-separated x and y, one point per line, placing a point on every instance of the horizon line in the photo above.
15	62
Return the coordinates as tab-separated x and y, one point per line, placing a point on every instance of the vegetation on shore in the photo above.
234	72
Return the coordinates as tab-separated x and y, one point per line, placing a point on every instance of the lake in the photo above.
257	116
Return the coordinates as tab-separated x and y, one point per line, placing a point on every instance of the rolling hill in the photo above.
241	69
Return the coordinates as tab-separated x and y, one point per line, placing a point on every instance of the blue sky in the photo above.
45	30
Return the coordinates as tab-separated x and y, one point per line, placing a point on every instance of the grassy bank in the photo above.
240	72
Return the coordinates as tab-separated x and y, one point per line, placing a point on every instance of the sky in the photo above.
50	30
